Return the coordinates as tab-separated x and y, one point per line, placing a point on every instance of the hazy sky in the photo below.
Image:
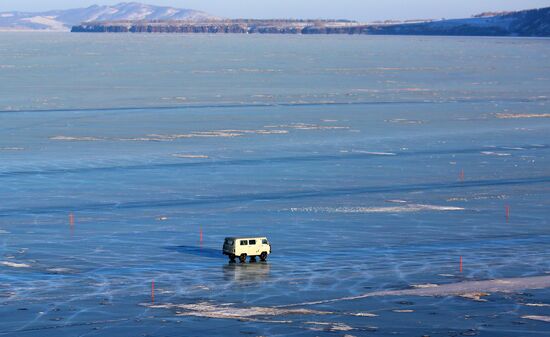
365	10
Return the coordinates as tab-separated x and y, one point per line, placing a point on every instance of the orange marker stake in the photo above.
461	264
461	175
201	235
153	291
507	213
71	219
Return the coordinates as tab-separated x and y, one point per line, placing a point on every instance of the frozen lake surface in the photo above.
373	164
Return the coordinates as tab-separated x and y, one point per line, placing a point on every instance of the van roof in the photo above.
245	237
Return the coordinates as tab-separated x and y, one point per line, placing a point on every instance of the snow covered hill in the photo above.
63	20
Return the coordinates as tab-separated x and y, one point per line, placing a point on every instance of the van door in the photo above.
254	247
243	247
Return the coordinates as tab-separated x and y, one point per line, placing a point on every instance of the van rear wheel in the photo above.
263	256
242	258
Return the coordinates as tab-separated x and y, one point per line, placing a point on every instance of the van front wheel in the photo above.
242	258
263	256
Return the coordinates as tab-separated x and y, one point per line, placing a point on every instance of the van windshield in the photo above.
229	242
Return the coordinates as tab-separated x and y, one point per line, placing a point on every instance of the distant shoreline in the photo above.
34	31
528	23
44	31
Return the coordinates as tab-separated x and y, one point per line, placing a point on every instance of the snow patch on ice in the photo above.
76	139
61	270
465	289
173	137
475	296
479	197
404	121
308	126
12	148
364	314
374	153
210	310
499	154
190	156
516	116
14	265
537	318
427	285
410	208
329	326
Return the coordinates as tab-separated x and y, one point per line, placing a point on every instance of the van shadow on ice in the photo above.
198	251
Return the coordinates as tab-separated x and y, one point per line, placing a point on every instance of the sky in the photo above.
362	10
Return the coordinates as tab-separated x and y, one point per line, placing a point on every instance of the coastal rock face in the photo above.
63	20
534	22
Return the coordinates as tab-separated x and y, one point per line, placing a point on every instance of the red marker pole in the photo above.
461	175
507	212
71	219
153	291
201	235
461	264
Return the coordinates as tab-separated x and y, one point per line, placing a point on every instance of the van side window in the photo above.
244	242
252	242
264	241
